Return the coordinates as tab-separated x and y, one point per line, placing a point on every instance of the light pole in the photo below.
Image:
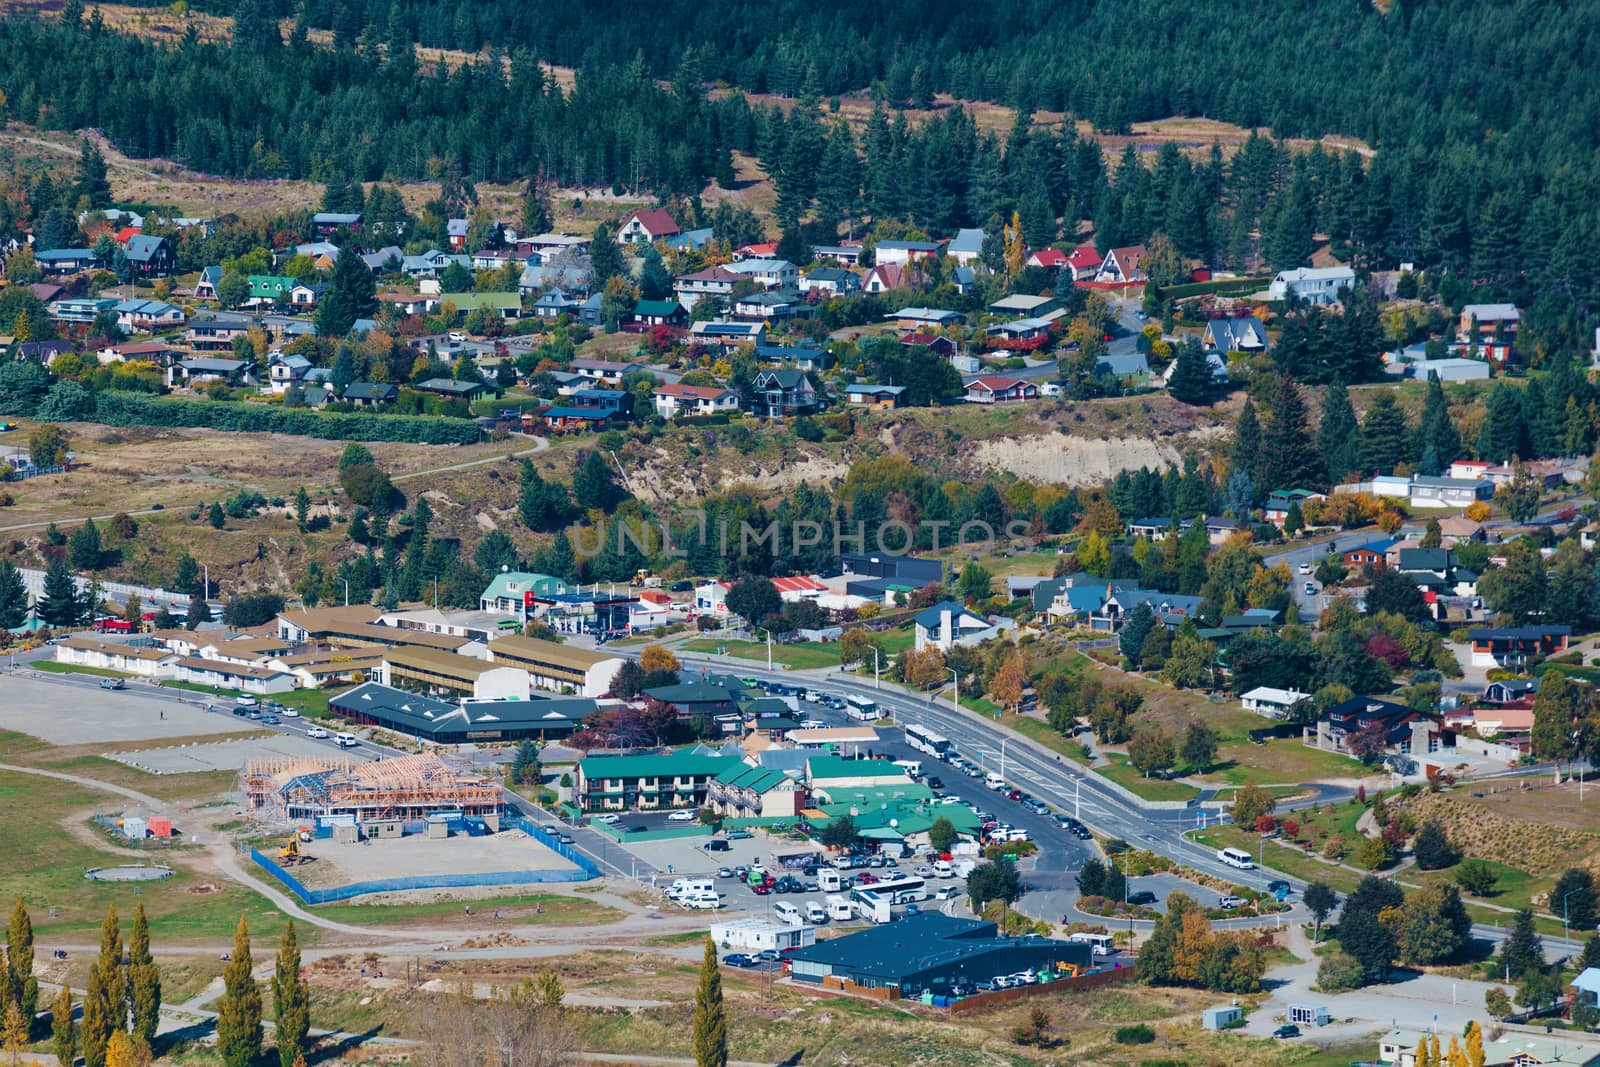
877	682
1003	742
346	582
956	678
768	632
1077	796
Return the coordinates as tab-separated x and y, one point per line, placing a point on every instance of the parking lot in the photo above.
74	710
221	755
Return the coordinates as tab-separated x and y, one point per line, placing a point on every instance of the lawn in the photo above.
52	667
1150	788
1281	761
1277	857
554	909
806	656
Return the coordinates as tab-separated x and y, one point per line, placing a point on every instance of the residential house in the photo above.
1084	262
147	316
1155	528
726	335
884	277
206	287
831	281
268	290
386	259
66	260
1273	703
876	397
1513	646
370	394
590	409
1311	285
1121	266
1448	370
192	372
1119	599
42	352
715	281
455	231
327	223
1235	335
322	254
1510	691
285	371
1024	305
507	305
1050	259
214	331
452	388
491	259
547	246
1383	724
778	393
1367	555
931	344
948	624
432	263
306	294
966	247
1429	492
1280	500
81	309
553	304
768	273
1216	363
848	255
920	318
995	389
646	227
801	357
648	313
1021	335
675	399
1128	366
149	256
773	305
900	253
407	304
1492	327
602	371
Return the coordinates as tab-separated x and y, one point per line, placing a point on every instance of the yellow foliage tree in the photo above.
1474	1054
1478	510
1016	247
657	658
1007	684
124	1051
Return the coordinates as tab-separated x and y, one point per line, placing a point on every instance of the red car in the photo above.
761	890
866	878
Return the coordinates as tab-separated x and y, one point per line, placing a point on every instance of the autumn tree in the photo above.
239	1014
1006	688
710	1025
658	658
291	998
20	981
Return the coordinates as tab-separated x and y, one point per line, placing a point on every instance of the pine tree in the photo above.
1246	455
1337	438
710	1020
1523	950
1436	429
1191	375
239	1014
291	998
654	281
352	294
19	961
605	258
1289	459
63	1031
13	596
144	980
592	486
1384	442
60	606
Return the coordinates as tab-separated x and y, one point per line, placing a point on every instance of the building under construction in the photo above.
405	789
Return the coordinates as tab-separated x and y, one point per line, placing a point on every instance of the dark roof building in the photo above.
931	952
468	721
916	572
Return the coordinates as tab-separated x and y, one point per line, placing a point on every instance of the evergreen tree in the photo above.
22	986
60	606
710	1018
1437	429
83	547
1289	459
239	1014
542	505
1384	442
1246	455
605	258
592	487
215	517
1141	620
344	371
1502	436
1523	950
144	981
654	281
13	596
561	560
1573	898
1337	438
63	1031
199	611
1191	375
291	997
92	186
351	295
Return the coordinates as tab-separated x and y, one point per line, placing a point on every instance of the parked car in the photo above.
947	892
288	713
1038	807
738	835
1311	589
316	731
683	816
935	782
606	819
1279	886
638	829
923	871
724	872
269	720
1142	898
113	683
737	959
1230	902
1287	1031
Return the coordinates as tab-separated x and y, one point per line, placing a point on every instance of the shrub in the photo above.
1339	971
1335	848
139	409
1138	1034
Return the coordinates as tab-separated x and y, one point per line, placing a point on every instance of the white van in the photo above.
702	901
316	731
829	880
1099	944
838	908
913	768
994	781
786	913
943	869
815	913
691	887
346	740
245	701
1236	857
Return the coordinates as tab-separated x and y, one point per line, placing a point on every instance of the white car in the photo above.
289	713
923	871
606	820
316	731
683	816
1305	568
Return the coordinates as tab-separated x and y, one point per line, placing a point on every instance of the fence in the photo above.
586	870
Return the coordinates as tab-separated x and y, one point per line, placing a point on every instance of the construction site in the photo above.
310	792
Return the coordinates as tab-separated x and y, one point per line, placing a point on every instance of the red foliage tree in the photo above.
1266	824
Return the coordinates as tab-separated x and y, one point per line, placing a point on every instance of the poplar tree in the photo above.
63	1031
144	981
97	1026
291	998
113	982
710	1020
24	987
239	1015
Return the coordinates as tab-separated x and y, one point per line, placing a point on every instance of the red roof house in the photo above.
646	227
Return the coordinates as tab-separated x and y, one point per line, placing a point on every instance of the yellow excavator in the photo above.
289	853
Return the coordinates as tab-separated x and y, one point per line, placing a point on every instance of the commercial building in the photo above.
931	952
466	721
645	783
759	935
111	656
258	680
746	792
427	670
560	668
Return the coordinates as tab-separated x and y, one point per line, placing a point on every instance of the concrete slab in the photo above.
419	855
73	710
221	755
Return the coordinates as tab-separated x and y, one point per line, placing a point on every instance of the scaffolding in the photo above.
408	788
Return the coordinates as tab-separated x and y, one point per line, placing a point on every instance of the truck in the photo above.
838	907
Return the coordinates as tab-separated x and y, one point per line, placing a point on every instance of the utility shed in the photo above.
1220	1018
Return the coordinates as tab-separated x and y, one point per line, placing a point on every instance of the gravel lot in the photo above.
77	711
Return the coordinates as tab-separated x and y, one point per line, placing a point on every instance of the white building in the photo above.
1312	285
759	935
84	651
768	273
1274	703
948	624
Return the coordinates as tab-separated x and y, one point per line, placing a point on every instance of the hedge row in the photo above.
140	409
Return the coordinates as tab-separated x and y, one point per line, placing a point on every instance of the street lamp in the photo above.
1004	741
877	682
956	678
346	582
768	632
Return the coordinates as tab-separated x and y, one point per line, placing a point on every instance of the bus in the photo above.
1099	944
902	890
925	740
861	709
1236	857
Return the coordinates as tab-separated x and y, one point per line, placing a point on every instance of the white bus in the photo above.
861	709
1236	857
1099	944
925	740
905	890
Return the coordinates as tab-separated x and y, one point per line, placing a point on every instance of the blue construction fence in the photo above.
586	868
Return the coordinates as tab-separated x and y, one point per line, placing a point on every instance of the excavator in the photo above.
289	854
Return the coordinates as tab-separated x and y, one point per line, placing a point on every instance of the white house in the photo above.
675	399
947	624
768	273
86	651
257	680
712	598
1274	703
1312	285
